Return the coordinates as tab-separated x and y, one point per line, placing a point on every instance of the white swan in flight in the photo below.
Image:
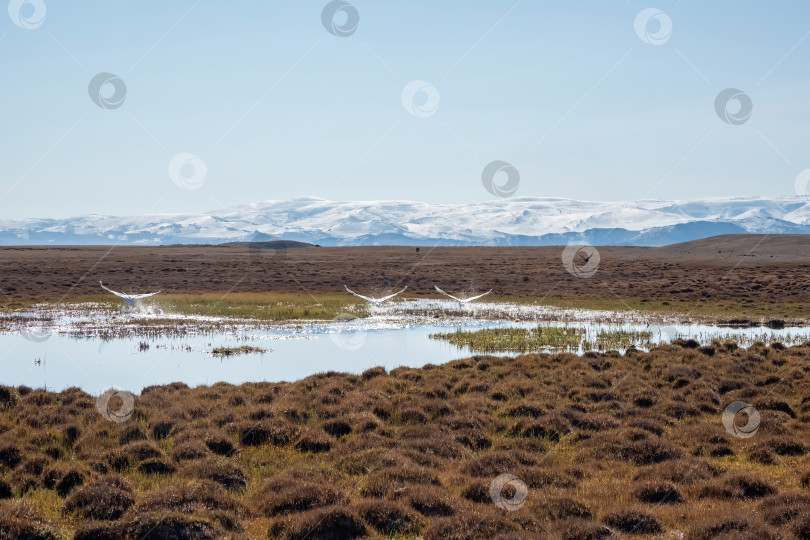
130	298
375	301
463	300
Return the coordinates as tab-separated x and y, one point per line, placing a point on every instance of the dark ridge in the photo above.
273	244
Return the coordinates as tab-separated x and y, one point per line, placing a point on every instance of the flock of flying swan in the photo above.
378	301
130	298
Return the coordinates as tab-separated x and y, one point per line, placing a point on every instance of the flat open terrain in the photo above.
738	268
594	446
599	445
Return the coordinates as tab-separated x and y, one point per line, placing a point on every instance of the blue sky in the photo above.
276	107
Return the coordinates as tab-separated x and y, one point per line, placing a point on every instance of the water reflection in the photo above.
92	351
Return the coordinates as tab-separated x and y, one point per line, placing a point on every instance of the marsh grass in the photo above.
257	306
279	307
621	339
599	440
541	338
267	307
234	351
710	308
516	339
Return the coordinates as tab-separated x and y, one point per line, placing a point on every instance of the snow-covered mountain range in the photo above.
506	222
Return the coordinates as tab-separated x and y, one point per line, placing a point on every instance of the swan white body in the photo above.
130	298
463	300
375	301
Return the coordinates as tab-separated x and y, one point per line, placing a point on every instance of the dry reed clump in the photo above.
156	466
730	523
634	521
6	491
190	497
297	490
226	474
172	525
738	486
581	529
220	445
19	519
415	451
64	478
190	450
132	454
104	499
265	432
785	507
483	524
314	441
99	530
565	508
431	501
390	518
389	480
336	522
658	493
10	456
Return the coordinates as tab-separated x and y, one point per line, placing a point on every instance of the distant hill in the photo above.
273	244
504	222
778	248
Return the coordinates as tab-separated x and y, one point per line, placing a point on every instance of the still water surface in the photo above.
53	357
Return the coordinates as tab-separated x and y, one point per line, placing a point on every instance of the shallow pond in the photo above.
66	350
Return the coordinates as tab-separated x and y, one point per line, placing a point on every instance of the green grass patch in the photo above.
620	339
258	306
299	306
233	351
543	338
515	339
269	307
719	309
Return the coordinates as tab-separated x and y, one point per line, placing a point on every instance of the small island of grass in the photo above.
233	351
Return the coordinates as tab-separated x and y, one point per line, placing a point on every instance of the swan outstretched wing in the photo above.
462	300
476	297
139	296
448	294
390	296
374	300
122	295
128	296
366	298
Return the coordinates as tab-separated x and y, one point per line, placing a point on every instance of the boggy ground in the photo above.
607	445
736	267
